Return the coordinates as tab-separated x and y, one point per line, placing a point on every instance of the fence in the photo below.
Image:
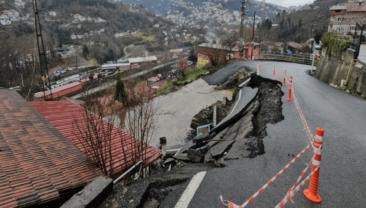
358	38
295	58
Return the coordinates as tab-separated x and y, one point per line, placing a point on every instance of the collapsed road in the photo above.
342	172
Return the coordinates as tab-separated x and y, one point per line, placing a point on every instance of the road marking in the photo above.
235	103
191	189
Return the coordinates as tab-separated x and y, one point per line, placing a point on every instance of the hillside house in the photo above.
19	3
294	47
344	16
5	22
252	50
208	53
52	13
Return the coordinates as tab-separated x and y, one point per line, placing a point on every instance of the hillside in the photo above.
301	25
197	9
90	25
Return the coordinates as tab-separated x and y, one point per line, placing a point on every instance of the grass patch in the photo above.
145	38
191	75
165	88
352	92
93	62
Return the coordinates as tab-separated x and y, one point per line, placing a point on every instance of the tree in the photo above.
120	91
300	22
85	52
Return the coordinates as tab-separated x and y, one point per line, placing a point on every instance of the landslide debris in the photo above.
242	134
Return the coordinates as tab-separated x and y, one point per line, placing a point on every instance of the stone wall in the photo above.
334	69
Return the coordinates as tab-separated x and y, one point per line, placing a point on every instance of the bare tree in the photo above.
99	139
141	117
94	131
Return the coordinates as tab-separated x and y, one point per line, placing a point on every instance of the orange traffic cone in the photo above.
289	90
284	79
312	192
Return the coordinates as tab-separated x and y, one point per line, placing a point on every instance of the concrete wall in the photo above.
336	68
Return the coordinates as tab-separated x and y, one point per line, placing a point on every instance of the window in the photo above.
338	11
340	19
352	28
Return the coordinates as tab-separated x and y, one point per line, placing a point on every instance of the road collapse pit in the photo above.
240	135
268	109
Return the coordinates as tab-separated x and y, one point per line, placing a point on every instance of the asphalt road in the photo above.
342	174
223	74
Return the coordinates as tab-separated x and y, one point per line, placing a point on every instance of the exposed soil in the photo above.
268	109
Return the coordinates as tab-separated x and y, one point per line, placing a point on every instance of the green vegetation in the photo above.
145	38
120	91
166	88
93	62
333	42
343	88
190	75
352	92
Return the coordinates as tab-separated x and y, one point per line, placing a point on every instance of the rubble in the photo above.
240	135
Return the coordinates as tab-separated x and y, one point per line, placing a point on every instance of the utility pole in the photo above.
41	50
21	76
242	9
253	27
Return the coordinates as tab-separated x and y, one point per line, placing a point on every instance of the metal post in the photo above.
129	170
214	115
22	79
312	64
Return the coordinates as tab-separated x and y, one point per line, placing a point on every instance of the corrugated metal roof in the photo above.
57	89
37	162
142	59
62	114
356	7
115	65
338	7
217	46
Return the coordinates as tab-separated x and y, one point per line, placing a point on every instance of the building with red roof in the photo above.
62	114
343	17
38	164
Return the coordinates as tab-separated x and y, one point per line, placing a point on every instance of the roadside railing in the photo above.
301	59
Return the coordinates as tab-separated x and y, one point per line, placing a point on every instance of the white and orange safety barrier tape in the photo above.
306	127
270	181
292	191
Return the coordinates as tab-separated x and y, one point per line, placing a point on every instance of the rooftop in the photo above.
115	65
142	59
62	114
217	46
56	90
37	162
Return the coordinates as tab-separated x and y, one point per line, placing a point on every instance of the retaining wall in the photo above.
336	68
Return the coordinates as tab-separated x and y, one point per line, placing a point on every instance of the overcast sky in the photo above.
287	3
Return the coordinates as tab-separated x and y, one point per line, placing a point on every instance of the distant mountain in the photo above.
167	7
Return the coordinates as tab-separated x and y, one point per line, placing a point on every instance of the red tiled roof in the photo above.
294	45
356	7
37	162
62	114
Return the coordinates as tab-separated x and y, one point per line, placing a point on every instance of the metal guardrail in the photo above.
284	57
